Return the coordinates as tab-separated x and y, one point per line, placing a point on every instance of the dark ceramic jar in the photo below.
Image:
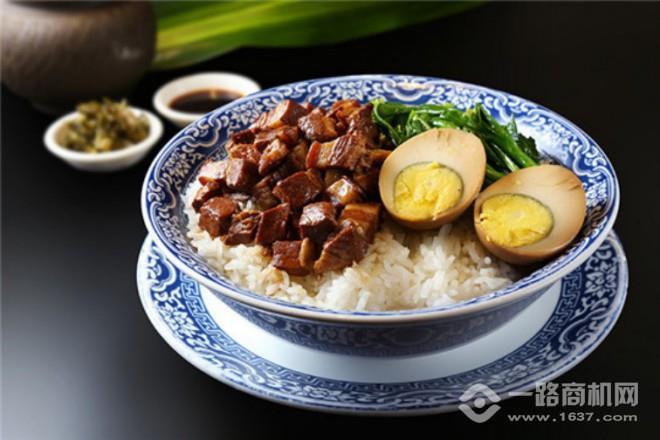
59	53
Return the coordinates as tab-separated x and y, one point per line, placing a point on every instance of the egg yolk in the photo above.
424	190
513	220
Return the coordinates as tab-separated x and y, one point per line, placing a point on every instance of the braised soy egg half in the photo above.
432	178
531	214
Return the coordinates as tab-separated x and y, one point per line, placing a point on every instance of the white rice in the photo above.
402	270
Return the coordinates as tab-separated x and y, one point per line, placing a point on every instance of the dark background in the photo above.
80	359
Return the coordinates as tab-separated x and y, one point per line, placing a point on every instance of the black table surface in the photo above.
80	359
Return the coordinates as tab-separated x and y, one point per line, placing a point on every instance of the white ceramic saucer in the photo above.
548	338
107	161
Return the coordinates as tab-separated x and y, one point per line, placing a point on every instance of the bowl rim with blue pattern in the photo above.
179	160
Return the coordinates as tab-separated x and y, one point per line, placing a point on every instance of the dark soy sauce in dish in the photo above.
203	101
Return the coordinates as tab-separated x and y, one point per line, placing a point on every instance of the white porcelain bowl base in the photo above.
472	355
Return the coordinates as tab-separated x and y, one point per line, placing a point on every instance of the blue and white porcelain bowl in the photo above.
377	333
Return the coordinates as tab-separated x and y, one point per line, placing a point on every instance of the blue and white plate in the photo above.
548	338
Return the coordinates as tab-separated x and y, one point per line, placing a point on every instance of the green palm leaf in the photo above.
190	32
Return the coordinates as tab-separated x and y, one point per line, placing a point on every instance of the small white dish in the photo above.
199	81
103	162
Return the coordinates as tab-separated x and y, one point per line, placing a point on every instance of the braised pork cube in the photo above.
273	225
343	192
296	257
244	151
341	250
341	110
263	138
243	228
317	126
298	155
299	188
290	135
240	174
212	171
273	155
262	194
211	189
344	152
364	217
318	155
215	215
361	121
241	137
317	221
287	112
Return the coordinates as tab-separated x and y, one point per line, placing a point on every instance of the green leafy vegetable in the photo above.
190	32
507	149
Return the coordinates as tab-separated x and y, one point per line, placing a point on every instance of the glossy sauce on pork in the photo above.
301	181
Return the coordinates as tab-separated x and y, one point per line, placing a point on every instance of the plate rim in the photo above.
189	355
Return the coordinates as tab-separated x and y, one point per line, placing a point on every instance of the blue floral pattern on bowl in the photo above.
179	160
383	340
590	302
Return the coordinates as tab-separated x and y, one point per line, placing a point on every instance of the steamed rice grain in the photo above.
402	269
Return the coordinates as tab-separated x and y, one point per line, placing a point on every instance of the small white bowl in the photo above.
199	81
108	161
